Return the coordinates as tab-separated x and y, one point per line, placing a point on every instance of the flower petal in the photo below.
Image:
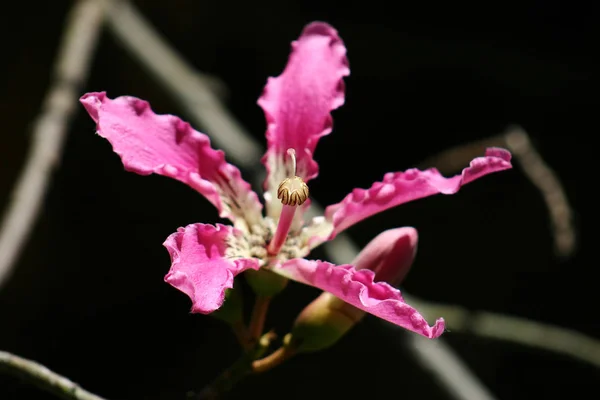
401	187
297	105
164	144
358	289
200	266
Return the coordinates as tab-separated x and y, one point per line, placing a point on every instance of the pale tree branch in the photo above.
194	92
42	377
539	173
513	329
130	27
49	130
449	369
436	356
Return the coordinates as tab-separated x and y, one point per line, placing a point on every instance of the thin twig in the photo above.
44	378
130	27
434	355
513	329
534	167
194	92
508	328
49	130
273	360
448	368
548	183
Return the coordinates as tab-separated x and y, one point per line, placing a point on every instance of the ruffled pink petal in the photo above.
401	187
164	144
297	104
358	289
200	267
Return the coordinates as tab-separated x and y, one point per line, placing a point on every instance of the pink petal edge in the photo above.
401	187
358	289
164	144
298	104
199	266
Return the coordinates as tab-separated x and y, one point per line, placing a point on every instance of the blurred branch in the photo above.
434	355
450	370
43	377
205	109
517	330
193	92
49	130
539	173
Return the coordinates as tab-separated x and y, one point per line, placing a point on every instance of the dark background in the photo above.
88	297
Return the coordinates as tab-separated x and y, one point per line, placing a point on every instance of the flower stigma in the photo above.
292	192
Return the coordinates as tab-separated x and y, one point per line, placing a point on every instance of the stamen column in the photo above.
292	192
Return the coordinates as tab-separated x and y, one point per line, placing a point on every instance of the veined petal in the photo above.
298	104
358	289
201	267
164	144
401	187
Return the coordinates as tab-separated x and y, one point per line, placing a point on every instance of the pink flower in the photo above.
297	104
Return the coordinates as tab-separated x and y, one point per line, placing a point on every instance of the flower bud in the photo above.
324	321
390	255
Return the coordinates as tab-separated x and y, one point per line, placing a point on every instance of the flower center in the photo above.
292	192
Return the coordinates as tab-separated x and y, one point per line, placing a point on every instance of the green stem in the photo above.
258	317
236	372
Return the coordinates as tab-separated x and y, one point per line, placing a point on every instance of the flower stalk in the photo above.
237	371
258	317
276	358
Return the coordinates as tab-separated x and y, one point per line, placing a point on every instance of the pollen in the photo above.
292	191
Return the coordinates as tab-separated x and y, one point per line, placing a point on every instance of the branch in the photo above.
516	330
49	130
434	355
534	167
44	378
194	92
205	109
449	369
